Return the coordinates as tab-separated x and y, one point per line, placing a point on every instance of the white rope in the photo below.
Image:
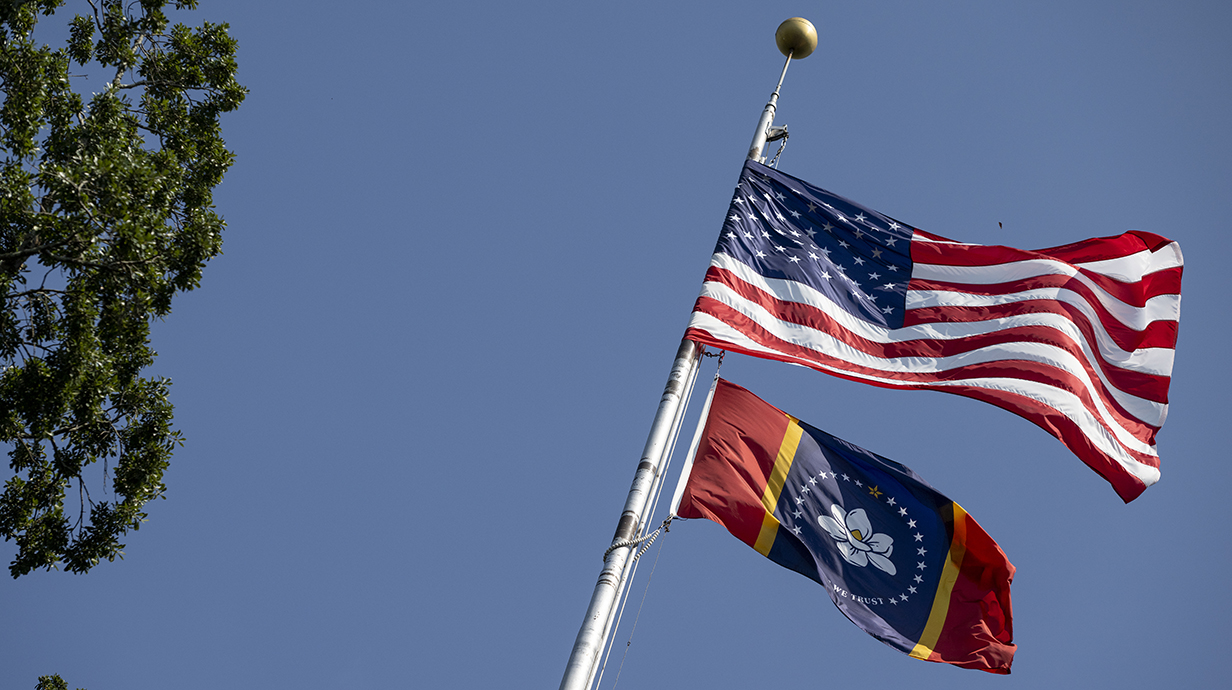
655	493
638	617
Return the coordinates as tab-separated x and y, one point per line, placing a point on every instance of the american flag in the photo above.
1079	339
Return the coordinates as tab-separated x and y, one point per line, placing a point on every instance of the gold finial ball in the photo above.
796	37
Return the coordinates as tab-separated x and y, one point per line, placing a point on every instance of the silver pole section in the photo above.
589	643
795	36
767	119
630	570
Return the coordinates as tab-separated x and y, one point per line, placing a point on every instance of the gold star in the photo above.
875	492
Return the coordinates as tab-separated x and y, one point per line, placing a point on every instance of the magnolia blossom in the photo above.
856	540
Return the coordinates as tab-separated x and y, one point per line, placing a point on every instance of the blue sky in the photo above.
463	242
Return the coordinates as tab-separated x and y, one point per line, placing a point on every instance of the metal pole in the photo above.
630	568
589	643
795	36
767	119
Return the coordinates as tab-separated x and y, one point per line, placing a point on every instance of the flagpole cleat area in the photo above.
797	39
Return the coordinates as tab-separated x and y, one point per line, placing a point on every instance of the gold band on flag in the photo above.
775	483
949	575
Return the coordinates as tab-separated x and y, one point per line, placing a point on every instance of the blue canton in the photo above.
787	229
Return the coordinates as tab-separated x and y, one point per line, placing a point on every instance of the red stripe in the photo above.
739	447
1157	334
978	631
1153	388
1098	249
1104	248
1166	282
1127	338
1163	282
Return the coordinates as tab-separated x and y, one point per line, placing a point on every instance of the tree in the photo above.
106	213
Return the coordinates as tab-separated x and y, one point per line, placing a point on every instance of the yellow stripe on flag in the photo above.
949	575
774	485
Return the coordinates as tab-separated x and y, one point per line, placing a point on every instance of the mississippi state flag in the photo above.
900	560
1078	339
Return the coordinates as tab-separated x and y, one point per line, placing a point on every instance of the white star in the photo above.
794	214
888	286
921	565
910	523
903	513
813	480
874	275
918	536
765	234
734	217
796	530
843	244
761	254
846	478
859	483
795	259
827	227
825	274
779	196
732	235
752	216
812	207
777	248
887	309
779	215
795	233
824	251
861	218
806	489
893	268
842	218
921	551
894	601
737	200
918	578
859	234
797	514
894	226
891	241
911	589
876	253
827	205
813	256
748	235
890	500
799	501
903	597
810	232
767	195
859	261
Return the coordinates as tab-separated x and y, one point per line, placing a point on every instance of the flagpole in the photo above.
796	38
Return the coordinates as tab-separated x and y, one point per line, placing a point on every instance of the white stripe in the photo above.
1132	268
819	341
1064	402
1149	361
915	237
1158	308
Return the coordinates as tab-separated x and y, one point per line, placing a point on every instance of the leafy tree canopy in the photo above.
111	149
